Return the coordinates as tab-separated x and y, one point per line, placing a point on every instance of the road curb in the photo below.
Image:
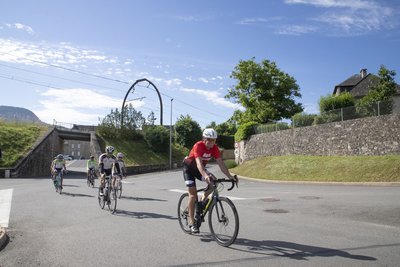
3	237
321	183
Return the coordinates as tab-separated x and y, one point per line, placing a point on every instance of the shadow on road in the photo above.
75	195
142	199
296	251
143	215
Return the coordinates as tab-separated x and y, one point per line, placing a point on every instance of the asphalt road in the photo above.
281	224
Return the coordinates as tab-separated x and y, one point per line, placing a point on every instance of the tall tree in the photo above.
188	131
266	93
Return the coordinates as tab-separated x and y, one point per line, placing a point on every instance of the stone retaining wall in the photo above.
367	136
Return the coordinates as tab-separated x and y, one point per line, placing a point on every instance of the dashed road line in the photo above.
5	206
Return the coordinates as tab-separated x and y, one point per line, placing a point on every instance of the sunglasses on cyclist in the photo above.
211	140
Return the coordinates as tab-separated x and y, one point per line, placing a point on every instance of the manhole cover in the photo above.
270	199
310	197
277	211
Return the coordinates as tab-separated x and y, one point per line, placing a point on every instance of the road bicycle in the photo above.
118	185
109	196
223	218
57	181
90	179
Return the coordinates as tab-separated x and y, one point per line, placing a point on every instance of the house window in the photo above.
79	145
73	145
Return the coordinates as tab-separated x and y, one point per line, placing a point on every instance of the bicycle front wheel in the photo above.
112	201
101	200
223	220
119	188
183	213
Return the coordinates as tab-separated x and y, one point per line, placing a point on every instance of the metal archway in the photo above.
133	85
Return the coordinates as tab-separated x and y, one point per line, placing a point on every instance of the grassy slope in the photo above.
324	168
16	139
137	153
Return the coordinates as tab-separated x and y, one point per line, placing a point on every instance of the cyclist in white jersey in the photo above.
106	164
122	169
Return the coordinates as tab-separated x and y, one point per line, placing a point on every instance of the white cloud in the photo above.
20	26
60	54
213	97
345	17
81	106
187	18
252	21
296	29
202	79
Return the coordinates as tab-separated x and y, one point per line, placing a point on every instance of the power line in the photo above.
88	74
68	69
57	77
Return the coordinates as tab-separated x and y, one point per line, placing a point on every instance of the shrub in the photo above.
332	102
303	119
230	163
245	130
157	138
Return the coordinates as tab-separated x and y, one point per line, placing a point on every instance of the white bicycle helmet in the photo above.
60	156
210	133
120	155
110	149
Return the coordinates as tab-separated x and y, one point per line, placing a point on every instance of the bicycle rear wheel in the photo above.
101	200
183	213
223	220
112	201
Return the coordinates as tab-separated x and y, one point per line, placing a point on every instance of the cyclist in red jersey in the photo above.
194	167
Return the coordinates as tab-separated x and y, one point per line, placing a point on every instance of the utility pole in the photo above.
170	138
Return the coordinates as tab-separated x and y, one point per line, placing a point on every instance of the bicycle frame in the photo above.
214	197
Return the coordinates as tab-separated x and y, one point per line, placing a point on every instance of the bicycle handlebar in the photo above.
233	181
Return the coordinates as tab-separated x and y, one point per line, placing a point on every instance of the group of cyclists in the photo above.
108	164
193	168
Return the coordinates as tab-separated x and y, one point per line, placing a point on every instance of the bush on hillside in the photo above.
245	130
303	119
157	138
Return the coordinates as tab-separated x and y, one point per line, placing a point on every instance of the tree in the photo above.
157	138
151	118
188	131
264	91
383	90
111	123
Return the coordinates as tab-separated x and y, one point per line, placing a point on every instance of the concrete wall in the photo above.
38	161
367	136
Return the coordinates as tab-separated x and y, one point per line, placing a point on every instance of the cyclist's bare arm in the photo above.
202	170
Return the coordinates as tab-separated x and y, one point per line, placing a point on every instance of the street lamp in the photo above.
170	138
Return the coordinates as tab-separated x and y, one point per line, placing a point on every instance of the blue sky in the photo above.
73	61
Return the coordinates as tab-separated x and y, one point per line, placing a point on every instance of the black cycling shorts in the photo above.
190	174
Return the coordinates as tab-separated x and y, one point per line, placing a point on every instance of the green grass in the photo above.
323	168
138	153
16	139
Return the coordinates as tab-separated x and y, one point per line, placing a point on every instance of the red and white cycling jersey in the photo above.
200	150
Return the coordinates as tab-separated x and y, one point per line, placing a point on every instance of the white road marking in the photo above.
231	198
5	206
